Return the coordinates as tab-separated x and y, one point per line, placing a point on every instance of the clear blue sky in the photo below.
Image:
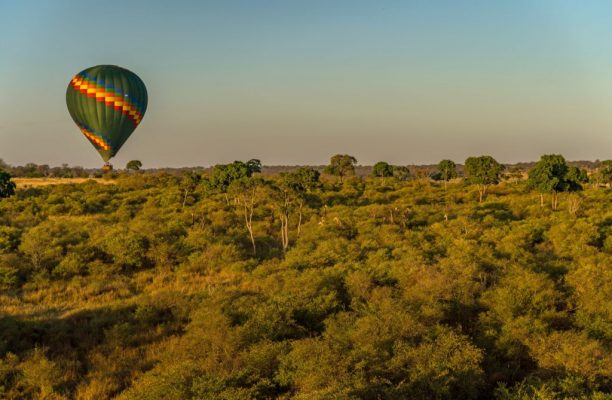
293	82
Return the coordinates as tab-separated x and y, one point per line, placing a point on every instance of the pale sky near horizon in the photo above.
294	82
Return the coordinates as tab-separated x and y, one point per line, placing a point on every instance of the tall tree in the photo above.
483	171
575	177
448	171
224	174
284	201
303	182
291	193
605	172
382	170
7	186
189	183
253	166
552	175
237	178
401	173
341	165
133	165
245	192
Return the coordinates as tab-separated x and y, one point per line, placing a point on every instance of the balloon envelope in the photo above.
107	103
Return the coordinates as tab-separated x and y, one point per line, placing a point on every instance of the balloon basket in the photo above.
107	167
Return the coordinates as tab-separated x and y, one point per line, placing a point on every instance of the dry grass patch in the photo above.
36	182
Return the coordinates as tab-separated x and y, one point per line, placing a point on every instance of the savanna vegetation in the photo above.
474	281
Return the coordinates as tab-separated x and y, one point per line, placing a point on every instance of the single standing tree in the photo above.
133	165
575	177
7	186
605	173
237	178
284	201
341	165
189	183
401	173
253	166
292	192
483	171
303	181
448	171
552	175
224	174
245	191
382	170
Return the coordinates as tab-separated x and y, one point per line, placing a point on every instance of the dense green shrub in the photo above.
150	288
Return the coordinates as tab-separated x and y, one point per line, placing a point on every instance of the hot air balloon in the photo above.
107	103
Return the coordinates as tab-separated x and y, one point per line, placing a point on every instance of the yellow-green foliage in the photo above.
151	288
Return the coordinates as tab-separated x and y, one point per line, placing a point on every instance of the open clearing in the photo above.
36	182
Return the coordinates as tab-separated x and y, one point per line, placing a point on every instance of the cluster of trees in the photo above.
552	175
233	285
384	170
32	170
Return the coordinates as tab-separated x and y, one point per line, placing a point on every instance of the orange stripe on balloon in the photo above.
96	139
109	97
